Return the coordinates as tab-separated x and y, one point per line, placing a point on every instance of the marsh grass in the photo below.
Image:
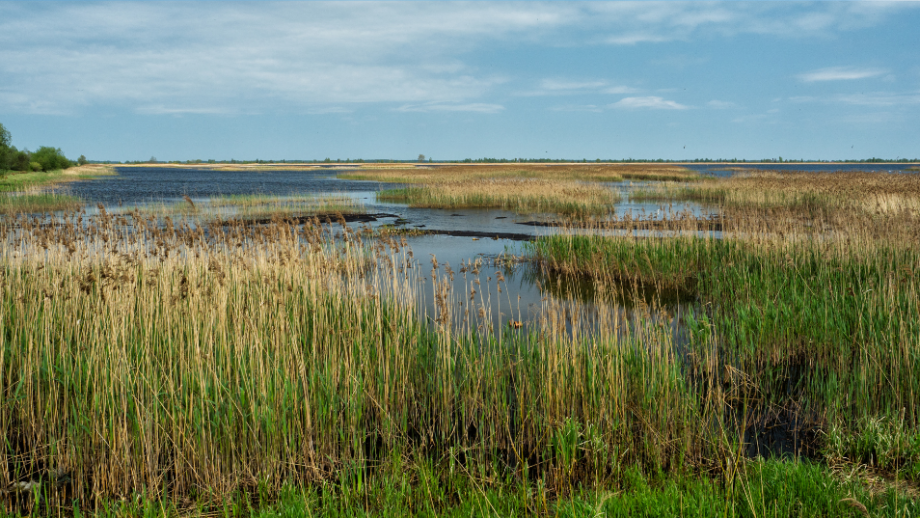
807	192
583	172
15	181
570	189
254	206
525	196
815	318
38	203
213	363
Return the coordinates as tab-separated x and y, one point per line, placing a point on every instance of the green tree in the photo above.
51	158
81	160
5	137
421	157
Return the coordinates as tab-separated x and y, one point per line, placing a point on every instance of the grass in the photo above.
570	189
15	181
762	488
38	203
256	206
203	366
564	172
518	195
872	193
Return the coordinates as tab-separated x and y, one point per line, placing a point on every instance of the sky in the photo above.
311	80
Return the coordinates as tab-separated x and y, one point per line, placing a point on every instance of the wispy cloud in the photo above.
193	57
877	99
452	107
721	105
840	74
651	102
557	86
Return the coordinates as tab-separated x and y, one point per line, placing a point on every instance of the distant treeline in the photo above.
46	158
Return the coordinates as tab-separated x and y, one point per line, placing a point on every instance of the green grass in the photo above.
12	181
761	488
831	332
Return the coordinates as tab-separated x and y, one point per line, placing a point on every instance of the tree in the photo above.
51	158
421	157
5	137
82	160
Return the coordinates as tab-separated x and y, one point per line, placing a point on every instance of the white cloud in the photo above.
877	99
452	107
651	101
210	57
840	74
559	86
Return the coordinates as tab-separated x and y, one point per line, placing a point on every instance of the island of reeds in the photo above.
762	363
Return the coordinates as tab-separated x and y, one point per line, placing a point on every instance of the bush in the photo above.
35	166
20	160
51	158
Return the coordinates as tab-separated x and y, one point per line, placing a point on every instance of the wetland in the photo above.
572	340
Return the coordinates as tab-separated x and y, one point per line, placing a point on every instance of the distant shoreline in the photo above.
407	165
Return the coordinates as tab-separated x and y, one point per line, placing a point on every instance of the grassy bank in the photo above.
12	181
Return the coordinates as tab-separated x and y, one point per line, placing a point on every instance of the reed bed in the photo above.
569	189
816	321
195	362
554	172
38	203
204	363
873	193
524	196
254	206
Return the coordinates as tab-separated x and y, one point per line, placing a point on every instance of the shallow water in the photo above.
520	297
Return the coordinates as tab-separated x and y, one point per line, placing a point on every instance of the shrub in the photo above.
35	166
51	158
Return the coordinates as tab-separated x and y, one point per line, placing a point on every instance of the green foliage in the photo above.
51	158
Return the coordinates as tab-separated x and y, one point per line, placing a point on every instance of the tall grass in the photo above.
38	203
255	206
583	172
570	189
522	196
872	193
198	361
195	361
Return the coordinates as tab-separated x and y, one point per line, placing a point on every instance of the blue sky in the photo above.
309	80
